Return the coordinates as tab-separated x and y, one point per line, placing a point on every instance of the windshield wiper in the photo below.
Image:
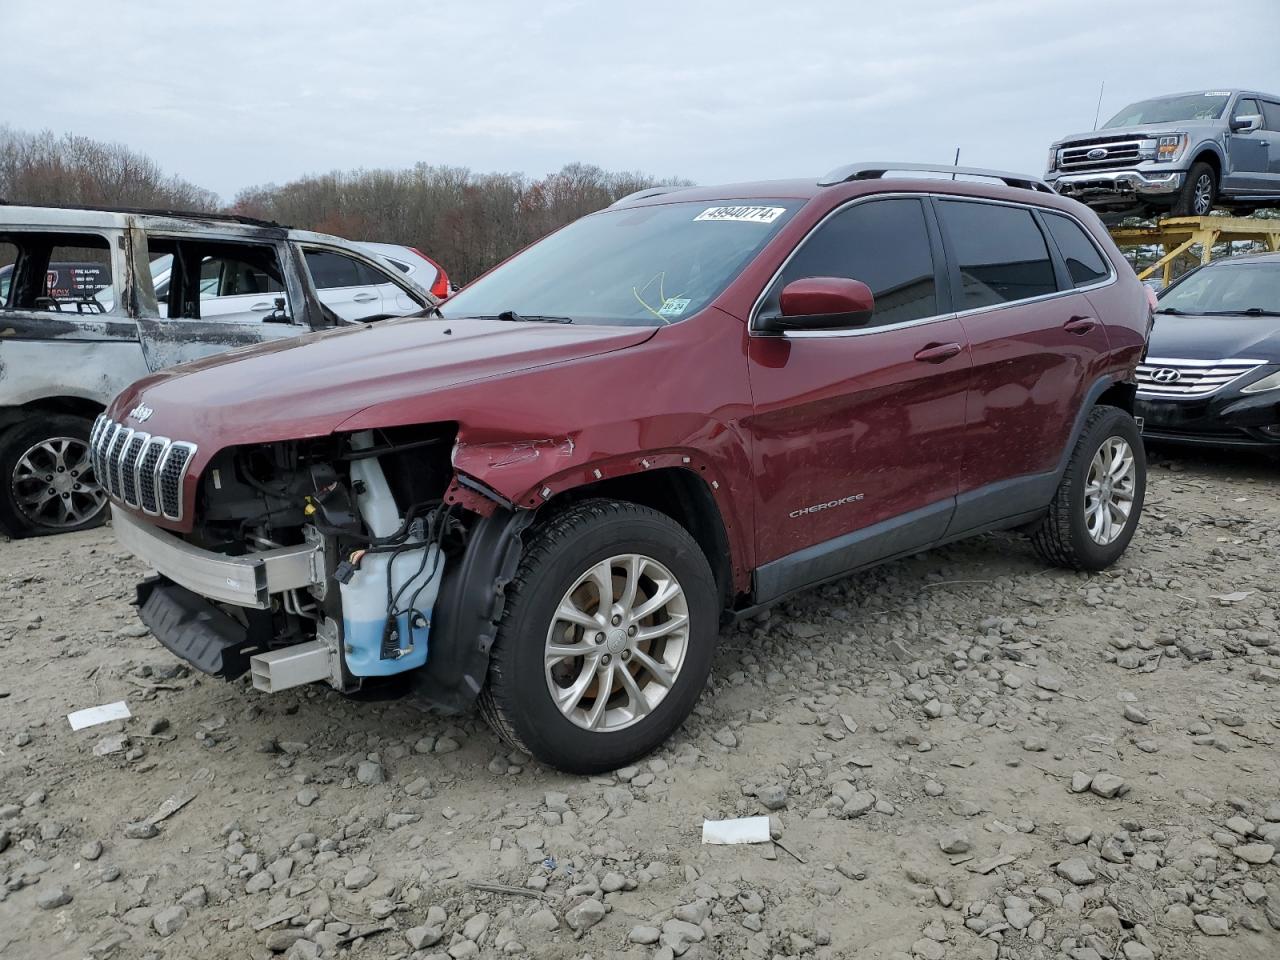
1172	310
1251	312
512	316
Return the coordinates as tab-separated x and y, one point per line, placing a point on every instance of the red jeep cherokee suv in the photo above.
683	407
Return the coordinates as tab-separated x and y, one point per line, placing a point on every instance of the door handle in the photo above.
261	307
1080	325
364	297
938	352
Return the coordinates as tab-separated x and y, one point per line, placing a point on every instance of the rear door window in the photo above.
56	272
222	281
883	243
1084	260
999	251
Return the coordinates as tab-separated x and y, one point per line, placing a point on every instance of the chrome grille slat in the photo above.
140	470
1195	378
1117	152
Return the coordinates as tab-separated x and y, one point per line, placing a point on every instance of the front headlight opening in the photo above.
1270	382
1171	147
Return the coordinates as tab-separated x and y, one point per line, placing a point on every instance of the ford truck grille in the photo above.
1189	378
138	469
1098	155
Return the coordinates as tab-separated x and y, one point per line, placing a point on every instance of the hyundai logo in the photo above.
1166	375
1097	153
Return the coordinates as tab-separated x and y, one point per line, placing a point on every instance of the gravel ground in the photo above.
965	755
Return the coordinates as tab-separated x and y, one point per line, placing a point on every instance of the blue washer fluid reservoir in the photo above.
364	609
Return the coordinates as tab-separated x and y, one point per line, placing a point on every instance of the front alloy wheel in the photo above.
617	643
606	637
1202	198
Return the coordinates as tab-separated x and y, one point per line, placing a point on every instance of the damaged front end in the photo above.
337	559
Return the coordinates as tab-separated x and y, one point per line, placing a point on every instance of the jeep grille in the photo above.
138	469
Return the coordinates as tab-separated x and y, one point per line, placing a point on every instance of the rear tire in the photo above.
1199	192
1096	509
47	483
563	644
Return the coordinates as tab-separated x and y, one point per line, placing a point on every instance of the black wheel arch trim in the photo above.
468	610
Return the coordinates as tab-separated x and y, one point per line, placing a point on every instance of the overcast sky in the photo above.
233	93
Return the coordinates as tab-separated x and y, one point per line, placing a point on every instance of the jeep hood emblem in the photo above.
141	413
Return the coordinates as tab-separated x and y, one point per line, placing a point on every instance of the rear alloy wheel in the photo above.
1095	511
606	637
49	482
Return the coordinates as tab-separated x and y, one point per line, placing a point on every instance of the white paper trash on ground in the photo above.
92	716
740	830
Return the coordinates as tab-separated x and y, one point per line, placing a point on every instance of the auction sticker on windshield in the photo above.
742	214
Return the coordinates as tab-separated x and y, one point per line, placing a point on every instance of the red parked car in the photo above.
678	409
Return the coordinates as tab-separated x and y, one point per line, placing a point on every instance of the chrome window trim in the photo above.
752	330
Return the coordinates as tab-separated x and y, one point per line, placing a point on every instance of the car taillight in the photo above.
439	289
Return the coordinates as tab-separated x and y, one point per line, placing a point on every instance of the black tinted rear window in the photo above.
1000	251
1084	261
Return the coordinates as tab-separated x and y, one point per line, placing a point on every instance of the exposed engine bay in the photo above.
374	501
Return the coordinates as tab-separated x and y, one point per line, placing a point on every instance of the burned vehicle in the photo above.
681	408
1183	154
91	300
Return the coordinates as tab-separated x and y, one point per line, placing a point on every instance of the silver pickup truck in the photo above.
92	300
1183	154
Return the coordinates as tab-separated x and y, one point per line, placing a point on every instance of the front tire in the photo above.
1095	511
1199	192
606	637
47	484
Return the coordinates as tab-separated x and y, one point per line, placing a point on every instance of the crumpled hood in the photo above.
1215	338
307	386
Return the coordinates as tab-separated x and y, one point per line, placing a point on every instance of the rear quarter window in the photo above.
1084	260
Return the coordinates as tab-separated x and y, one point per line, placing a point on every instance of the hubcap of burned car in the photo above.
1204	194
1109	490
54	485
617	642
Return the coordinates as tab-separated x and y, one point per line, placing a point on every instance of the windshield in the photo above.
633	266
1227	288
1192	106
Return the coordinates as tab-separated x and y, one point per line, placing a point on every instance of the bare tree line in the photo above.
466	221
44	168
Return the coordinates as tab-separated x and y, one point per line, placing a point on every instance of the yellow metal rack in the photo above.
1177	235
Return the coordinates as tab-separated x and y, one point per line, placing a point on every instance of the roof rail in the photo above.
154	212
875	171
643	194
